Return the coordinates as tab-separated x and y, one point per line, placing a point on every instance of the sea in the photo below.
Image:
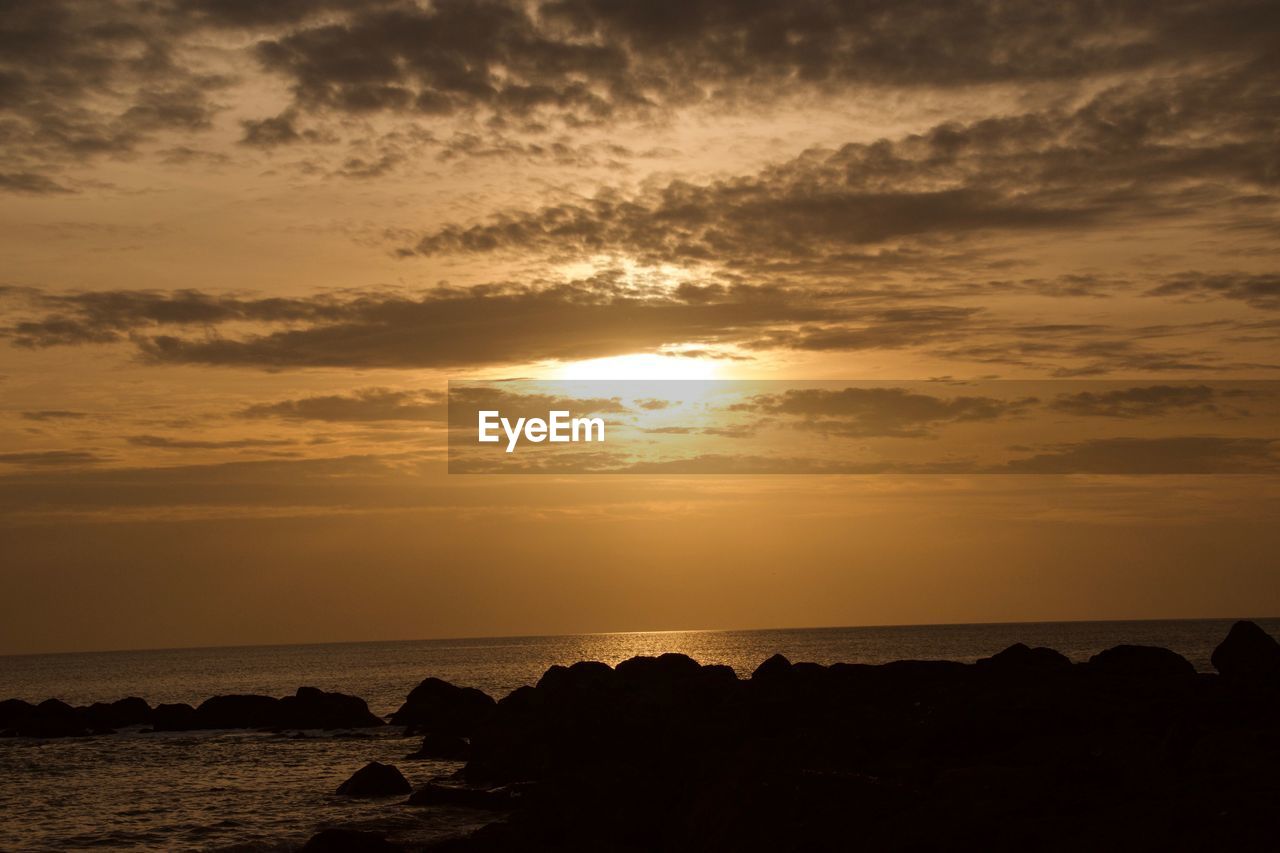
249	791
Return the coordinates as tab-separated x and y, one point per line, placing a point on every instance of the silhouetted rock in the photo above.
1140	662
440	707
375	780
238	712
311	708
119	714
472	798
1022	750
445	747
1021	659
175	717
14	710
52	718
349	841
1248	654
775	668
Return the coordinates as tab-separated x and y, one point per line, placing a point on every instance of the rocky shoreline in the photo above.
1025	750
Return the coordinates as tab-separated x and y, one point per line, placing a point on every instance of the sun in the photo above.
641	366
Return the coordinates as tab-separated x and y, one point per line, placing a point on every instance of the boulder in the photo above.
586	674
349	841
238	712
175	717
14	710
644	670
1248	654
119	714
311	708
444	747
440	707
1140	662
1022	659
472	798
52	718
775	668
375	780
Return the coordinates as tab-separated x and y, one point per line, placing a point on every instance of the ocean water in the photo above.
250	790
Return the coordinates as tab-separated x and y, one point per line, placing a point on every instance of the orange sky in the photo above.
244	247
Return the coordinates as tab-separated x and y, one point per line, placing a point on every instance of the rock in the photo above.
1248	654
52	718
1019	658
472	798
349	841
586	674
375	780
445	747
238	712
14	710
119	714
1140	662
176	717
438	706
774	669
669	667
311	708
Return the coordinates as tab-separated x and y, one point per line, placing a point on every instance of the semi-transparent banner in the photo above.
532	426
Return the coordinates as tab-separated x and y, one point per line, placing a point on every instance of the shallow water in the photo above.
210	790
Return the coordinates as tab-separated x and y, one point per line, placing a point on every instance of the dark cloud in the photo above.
53	415
270	132
1133	153
1143	402
592	60
51	458
107	316
79	79
1179	455
368	404
30	183
168	443
601	316
1256	290
886	412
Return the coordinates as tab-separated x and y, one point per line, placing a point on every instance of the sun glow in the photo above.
641	366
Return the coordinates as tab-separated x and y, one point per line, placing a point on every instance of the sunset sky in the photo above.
244	246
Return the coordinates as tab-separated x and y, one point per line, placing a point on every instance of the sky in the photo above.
244	247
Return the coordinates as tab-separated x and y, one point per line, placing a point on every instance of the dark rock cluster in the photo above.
1025	750
309	708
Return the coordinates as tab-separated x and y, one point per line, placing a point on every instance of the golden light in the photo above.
649	366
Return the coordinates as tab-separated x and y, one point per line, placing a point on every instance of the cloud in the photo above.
167	443
51	458
590	61
83	79
108	316
878	412
368	404
1260	290
1178	455
53	415
30	183
1142	402
599	316
1134	152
